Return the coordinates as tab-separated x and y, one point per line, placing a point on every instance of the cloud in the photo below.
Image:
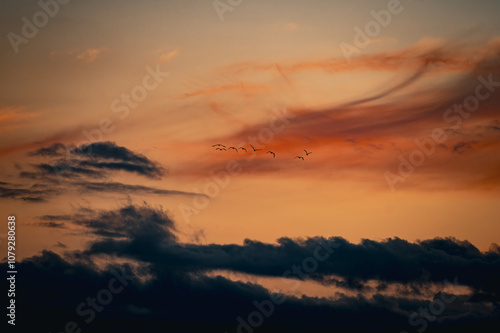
130	222
94	160
68	168
109	150
165	57
98	154
238	87
56	217
391	260
56	149
441	56
29	194
90	55
56	225
462	146
365	135
124	188
12	117
63	169
177	295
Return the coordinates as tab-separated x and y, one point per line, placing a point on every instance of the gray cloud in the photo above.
67	167
179	297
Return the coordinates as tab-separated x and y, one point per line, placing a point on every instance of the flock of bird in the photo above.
221	147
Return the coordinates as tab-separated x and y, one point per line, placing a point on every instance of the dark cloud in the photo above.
130	222
28	174
56	149
69	167
56	217
57	225
109	150
167	289
393	260
26	194
124	188
495	125
151	171
62	169
98	155
44	192
93	160
33	199
462	146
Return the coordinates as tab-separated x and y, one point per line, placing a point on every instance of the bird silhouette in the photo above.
221	149
242	148
270	152
218	145
233	148
254	148
299	157
307	153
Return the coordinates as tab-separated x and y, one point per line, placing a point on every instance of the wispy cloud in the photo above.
14	116
165	57
94	160
90	55
80	167
441	56
367	134
238	87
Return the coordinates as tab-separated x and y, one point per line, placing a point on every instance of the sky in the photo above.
207	146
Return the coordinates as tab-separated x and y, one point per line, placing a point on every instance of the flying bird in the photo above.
242	148
299	157
218	145
270	152
254	148
233	148
307	153
221	149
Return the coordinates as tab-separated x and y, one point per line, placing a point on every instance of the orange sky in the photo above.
282	84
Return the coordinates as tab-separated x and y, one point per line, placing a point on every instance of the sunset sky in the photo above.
109	113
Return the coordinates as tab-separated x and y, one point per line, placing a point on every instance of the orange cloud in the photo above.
167	56
13	114
90	55
366	136
230	87
435	53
